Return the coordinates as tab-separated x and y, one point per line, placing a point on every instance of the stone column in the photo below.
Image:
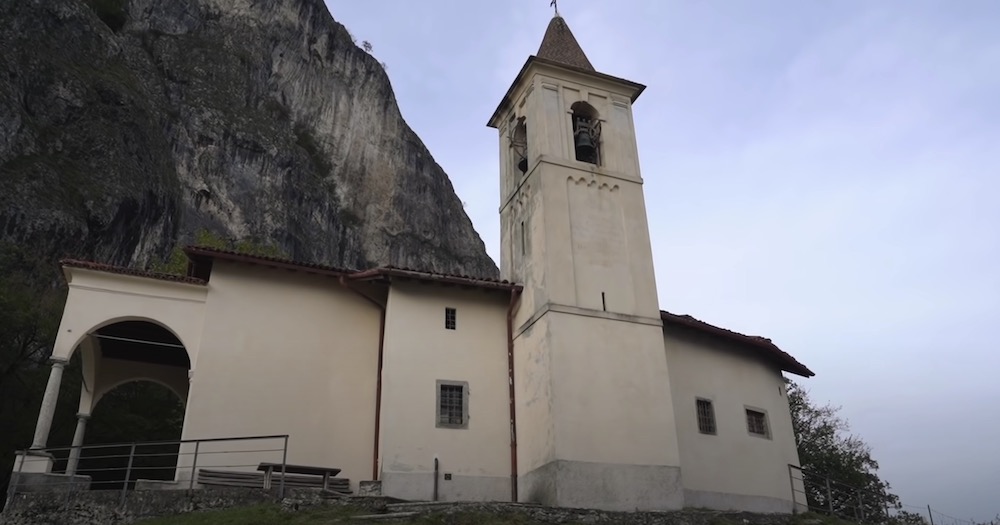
74	453
48	409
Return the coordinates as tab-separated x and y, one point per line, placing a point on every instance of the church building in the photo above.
563	383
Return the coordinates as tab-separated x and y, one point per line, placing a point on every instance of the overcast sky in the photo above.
826	174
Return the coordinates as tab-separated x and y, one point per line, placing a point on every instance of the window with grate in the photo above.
452	405
449	318
757	423
706	417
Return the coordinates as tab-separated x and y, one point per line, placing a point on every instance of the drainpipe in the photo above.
515	294
378	378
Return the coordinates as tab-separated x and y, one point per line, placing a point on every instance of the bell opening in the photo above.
586	133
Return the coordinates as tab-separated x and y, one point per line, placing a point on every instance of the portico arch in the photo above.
113	353
111	422
138	349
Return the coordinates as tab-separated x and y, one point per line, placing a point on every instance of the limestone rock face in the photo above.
128	125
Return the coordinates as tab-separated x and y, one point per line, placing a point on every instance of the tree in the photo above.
31	299
904	517
176	261
827	450
367	46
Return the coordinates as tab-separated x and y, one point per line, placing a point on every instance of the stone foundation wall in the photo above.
101	507
558	515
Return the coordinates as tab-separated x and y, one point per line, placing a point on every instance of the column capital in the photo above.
58	361
81	415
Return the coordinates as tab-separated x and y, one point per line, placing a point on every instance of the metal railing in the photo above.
825	495
174	463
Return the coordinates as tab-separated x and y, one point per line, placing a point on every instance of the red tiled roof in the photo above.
461	280
559	45
107	268
200	252
761	344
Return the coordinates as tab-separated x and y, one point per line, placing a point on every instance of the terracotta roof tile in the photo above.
461	280
194	252
762	344
201	252
559	45
107	268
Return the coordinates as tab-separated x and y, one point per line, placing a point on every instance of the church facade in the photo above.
562	384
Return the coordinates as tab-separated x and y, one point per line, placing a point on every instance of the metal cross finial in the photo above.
555	5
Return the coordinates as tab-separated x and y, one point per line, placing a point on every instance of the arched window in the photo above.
586	133
519	145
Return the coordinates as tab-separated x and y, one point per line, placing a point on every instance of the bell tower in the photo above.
595	421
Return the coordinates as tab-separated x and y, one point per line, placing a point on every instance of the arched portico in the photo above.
113	353
110	422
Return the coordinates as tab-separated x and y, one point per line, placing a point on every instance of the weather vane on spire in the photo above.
555	5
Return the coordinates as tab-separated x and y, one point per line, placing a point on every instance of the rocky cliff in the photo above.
128	125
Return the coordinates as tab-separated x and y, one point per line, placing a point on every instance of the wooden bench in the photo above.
270	468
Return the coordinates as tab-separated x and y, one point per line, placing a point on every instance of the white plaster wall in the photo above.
732	469
611	392
533	397
285	353
598	241
418	352
97	299
594	403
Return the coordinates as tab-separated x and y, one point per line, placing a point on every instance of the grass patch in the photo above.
815	518
267	514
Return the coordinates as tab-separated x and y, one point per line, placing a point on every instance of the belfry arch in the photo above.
586	133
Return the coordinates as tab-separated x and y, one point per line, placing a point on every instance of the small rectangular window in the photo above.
524	242
449	318
452	404
706	417
757	423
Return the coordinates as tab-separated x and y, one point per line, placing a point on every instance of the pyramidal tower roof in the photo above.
559	45
560	48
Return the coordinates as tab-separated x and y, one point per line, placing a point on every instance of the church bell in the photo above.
584	144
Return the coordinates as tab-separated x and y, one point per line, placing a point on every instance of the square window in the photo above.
706	416
757	423
452	404
449	318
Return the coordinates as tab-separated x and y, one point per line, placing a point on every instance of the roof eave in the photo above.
784	360
635	89
494	121
68	266
389	273
196	252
